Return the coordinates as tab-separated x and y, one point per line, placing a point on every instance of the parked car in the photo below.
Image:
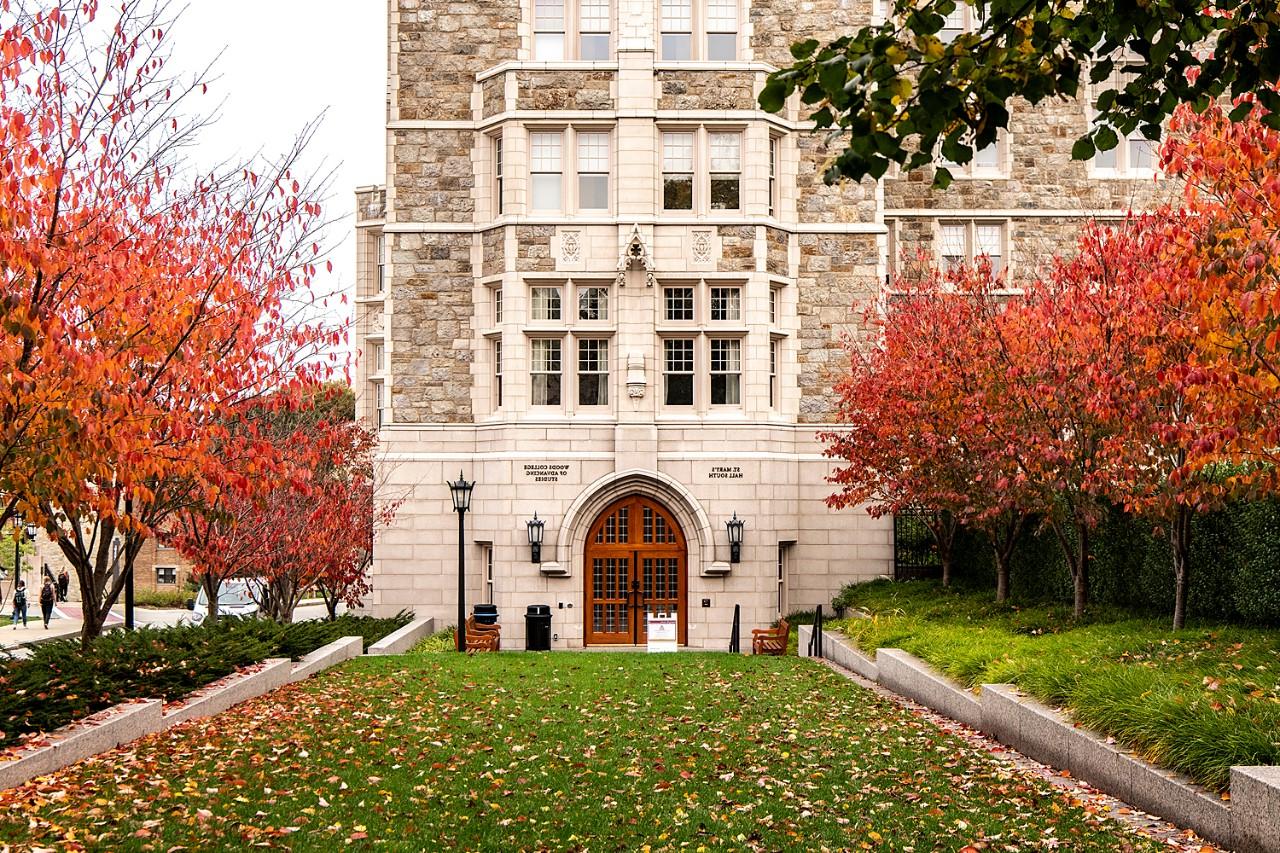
235	598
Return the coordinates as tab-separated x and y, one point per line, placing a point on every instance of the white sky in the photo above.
283	63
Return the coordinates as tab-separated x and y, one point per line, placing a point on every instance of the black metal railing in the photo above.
915	553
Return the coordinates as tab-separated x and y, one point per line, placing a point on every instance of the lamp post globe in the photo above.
460	491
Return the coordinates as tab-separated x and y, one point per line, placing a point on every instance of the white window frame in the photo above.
965	19
496	355
601	369
692	372
731	304
534	343
172	572
598	169
380	258
487	554
570	183
970	234
775	167
1123	167
580	291
499	164
692	303
573	27
973	170
775	358
703	158
545	163
731	366
555	304
699	29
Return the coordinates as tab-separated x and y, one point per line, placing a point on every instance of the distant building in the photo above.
603	284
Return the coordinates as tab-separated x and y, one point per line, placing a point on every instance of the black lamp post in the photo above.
535	537
461	491
735	526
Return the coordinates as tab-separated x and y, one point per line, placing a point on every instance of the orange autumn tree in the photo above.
140	301
914	431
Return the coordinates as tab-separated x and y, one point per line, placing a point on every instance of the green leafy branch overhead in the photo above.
898	93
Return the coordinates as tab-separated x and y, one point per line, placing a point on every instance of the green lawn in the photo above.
556	752
1197	701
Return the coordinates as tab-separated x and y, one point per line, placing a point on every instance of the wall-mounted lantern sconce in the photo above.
535	537
735	526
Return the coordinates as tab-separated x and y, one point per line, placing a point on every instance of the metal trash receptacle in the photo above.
537	628
486	614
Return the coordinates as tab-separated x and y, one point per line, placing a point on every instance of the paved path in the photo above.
68	620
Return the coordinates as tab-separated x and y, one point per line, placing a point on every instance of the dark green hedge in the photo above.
1235	565
60	682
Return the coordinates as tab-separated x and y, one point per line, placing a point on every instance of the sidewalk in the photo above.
67	621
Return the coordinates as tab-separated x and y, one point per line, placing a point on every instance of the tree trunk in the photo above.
1081	573
1003	541
1180	540
1077	557
943	529
212	585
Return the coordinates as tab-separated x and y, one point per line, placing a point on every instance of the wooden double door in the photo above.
636	564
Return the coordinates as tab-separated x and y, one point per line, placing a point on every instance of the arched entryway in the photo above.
636	563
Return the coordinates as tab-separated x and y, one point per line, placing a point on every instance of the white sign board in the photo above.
662	630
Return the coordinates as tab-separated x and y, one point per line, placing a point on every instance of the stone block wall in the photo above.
777	24
778	261
737	248
534	252
439	48
434	175
838	279
816	201
431	327
706	90
564	90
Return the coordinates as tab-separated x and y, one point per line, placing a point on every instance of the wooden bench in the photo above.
483	638
771	641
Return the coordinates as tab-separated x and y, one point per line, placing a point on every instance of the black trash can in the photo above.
486	614
537	628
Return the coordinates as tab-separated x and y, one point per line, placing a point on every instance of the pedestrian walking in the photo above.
47	596
64	584
20	604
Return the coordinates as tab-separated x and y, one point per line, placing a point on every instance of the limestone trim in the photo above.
572	538
1003	213
612	65
709	222
569	116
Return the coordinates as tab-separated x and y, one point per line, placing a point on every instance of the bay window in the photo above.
545	366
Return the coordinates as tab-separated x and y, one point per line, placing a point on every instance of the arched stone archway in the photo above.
693	520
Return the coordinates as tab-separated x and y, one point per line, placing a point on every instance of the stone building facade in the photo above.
608	288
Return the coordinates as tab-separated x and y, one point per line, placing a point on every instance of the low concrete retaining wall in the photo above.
129	721
1250	824
327	656
406	638
221	695
104	730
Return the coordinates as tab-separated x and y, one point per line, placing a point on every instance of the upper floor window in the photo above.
593	303
989	162
593	171
726	171
546	167
964	19
497	373
166	574
775	153
678	302
965	242
544	304
1135	154
555	153
571	29
381	249
699	30
545	364
497	174
726	303
701	170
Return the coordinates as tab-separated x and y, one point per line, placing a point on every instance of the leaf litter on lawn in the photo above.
555	752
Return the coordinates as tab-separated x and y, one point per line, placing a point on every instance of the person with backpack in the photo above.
20	604
47	597
64	585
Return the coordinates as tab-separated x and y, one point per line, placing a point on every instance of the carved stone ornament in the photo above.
570	247
635	256
702	247
636	380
